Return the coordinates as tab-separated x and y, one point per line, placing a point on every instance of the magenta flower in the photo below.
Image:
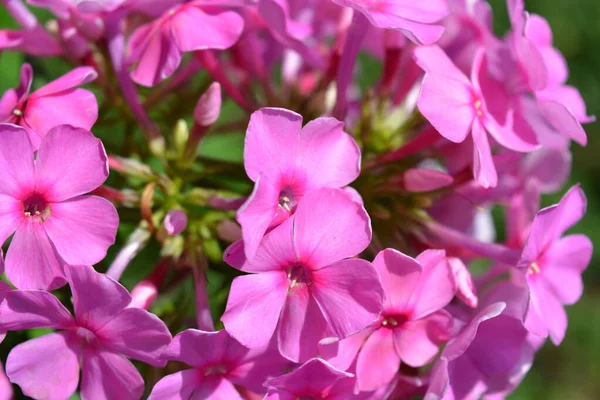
490	355
315	379
41	202
219	362
455	106
103	332
412	324
57	103
552	265
157	47
302	287
420	21
286	161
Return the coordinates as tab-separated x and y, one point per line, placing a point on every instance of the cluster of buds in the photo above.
312	181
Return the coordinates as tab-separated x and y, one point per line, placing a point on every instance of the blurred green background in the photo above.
572	370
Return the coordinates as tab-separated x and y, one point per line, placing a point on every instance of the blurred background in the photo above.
571	371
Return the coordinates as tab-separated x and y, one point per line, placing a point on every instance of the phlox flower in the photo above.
302	287
219	362
315	379
491	353
59	102
552	265
286	161
41	202
420	21
412	324
455	106
96	341
157	47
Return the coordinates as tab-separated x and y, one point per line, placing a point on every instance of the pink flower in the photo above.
175	222
157	47
6	390
420	21
286	161
301	287
103	332
41	202
490	355
314	379
219	362
552	265
455	106
57	103
412	324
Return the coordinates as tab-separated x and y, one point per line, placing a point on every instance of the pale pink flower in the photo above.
286	161
220	364
552	265
97	341
59	102
412	324
175	222
302	287
157	48
455	106
420	21
41	202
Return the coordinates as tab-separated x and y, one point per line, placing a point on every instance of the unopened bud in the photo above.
208	108
175	222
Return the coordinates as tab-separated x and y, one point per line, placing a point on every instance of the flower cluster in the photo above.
337	257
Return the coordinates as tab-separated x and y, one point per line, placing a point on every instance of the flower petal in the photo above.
378	362
417	342
27	309
107	376
436	287
70	162
76	77
11	213
46	367
349	294
217	388
202	28
329	156
31	260
330	226
312	378
178	386
400	276
137	334
483	164
271	140
255	297
276	250
199	348
16	162
91	219
301	325
96	297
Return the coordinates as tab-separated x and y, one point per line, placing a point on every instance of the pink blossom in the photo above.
314	379
286	161
455	106
301	287
220	364
552	265
41	202
412	324
6	390
420	21
97	341
175	222
157	47
57	103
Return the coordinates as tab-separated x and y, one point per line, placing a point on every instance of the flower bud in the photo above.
208	107
175	222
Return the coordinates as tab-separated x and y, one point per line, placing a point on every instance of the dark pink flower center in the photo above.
86	335
288	199
215	370
36	206
394	321
299	275
534	269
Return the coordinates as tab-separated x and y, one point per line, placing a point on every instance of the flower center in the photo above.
86	335
394	321
215	370
36	206
534	269
287	199
299	275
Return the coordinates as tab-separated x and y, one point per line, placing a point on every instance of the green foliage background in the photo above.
570	371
